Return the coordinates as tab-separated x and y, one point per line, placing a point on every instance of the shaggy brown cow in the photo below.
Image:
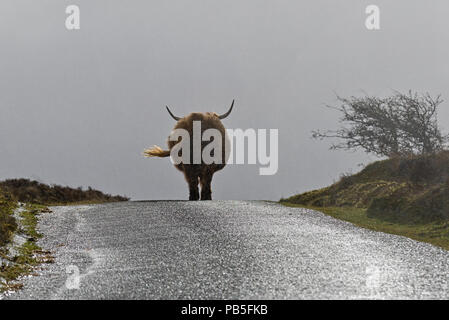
197	173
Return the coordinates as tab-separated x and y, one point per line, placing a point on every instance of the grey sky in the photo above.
78	107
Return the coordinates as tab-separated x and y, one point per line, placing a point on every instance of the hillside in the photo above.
410	190
25	190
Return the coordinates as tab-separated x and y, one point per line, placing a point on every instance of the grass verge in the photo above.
20	259
436	233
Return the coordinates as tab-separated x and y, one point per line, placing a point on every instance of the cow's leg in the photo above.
205	181
192	180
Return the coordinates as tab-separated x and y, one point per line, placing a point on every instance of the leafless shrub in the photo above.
400	125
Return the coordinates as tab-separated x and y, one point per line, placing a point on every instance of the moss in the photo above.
30	219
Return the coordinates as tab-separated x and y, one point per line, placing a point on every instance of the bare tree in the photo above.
402	124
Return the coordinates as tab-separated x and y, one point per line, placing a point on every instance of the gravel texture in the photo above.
227	250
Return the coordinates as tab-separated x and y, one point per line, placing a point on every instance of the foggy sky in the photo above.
78	107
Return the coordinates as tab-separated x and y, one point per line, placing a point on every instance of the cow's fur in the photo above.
196	173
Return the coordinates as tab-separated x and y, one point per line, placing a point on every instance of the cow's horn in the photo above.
172	115
227	113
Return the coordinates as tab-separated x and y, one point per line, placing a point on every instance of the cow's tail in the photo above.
156	151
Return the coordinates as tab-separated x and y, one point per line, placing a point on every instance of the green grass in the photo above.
436	233
28	255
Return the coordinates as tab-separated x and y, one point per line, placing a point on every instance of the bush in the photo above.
400	125
7	222
25	190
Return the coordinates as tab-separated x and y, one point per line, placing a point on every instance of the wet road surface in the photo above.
227	250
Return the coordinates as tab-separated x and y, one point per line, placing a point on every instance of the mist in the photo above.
79	107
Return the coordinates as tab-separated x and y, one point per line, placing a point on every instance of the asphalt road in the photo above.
227	250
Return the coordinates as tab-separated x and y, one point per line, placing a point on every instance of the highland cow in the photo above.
197	172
